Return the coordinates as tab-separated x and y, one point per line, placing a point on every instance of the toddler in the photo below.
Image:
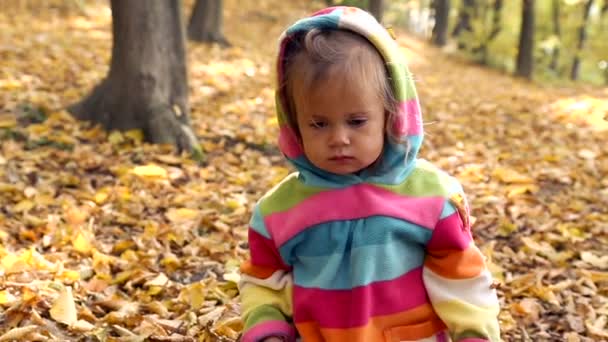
365	242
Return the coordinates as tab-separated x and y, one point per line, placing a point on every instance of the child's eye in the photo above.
318	124
357	122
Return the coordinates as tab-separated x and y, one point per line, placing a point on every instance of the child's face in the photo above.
341	125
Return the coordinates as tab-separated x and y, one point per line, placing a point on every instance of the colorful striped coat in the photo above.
384	255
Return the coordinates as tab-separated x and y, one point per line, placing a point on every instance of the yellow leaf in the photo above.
181	214
82	243
10	84
511	176
100	197
136	135
516	190
594	260
23	206
160	280
116	138
154	290
197	293
7	122
18	334
150	171
70	275
64	307
82	326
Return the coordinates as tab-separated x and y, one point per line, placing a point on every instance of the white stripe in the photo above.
475	291
277	281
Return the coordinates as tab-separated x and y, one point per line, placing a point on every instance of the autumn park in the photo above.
137	136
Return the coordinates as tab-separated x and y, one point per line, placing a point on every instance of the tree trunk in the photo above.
525	54
558	33
464	17
146	87
376	7
440	30
496	28
206	22
582	37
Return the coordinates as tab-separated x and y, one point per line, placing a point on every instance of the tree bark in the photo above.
496	28
525	54
206	22
440	30
555	12
582	37
464	17
146	87
376	8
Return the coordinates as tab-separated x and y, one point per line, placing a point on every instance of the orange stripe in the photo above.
414	324
259	272
455	264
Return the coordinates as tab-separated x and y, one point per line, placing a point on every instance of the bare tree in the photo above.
525	54
465	14
376	7
206	22
494	31
557	31
440	30
582	37
146	87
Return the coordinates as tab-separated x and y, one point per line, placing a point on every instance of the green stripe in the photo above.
263	313
468	334
425	180
286	195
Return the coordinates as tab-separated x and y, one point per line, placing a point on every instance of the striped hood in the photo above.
398	160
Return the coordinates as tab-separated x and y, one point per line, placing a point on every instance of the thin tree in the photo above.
440	29
206	22
525	60
582	37
557	31
146	87
495	30
466	13
376	7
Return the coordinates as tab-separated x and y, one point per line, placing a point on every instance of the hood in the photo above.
397	160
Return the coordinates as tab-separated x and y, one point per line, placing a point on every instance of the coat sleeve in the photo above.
456	278
265	288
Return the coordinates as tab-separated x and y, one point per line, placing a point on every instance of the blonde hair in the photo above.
312	56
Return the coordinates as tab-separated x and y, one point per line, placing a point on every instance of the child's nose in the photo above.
339	137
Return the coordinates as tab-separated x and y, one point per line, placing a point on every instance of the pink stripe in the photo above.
353	202
326	10
413	126
450	234
270	328
442	337
288	143
263	252
354	307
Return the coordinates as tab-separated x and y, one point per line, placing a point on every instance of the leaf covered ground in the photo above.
103	237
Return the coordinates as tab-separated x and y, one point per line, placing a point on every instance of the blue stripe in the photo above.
448	209
257	222
330	237
362	266
326	21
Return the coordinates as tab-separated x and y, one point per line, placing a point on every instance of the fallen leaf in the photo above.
64	307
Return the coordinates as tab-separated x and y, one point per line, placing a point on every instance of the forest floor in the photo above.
104	237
